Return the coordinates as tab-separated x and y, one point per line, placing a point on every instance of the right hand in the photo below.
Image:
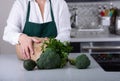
26	45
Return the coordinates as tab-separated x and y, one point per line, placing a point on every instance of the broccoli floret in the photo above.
49	60
29	64
81	61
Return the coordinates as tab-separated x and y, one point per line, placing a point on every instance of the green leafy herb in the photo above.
61	48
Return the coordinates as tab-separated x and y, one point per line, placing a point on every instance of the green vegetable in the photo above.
61	48
29	64
71	61
81	61
49	60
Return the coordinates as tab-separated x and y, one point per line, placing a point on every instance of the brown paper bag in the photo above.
37	50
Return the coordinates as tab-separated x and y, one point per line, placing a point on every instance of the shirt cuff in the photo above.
16	39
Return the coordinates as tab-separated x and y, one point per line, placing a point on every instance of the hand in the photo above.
26	45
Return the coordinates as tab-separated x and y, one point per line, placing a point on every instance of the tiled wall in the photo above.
87	13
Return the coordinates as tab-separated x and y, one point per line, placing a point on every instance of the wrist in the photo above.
21	37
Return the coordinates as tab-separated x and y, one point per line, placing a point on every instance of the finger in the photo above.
35	40
39	39
23	52
24	55
27	53
31	48
46	38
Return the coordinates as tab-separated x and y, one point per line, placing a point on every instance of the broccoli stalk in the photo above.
71	61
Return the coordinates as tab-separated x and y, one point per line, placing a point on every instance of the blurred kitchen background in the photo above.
85	20
88	21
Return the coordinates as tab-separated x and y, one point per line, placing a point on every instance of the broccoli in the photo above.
61	48
29	64
49	60
81	61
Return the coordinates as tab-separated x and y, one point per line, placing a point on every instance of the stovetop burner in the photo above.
108	61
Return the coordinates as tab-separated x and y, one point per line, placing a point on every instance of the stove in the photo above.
108	61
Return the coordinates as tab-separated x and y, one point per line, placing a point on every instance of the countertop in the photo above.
96	38
11	69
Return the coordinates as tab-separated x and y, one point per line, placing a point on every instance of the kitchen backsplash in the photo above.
86	13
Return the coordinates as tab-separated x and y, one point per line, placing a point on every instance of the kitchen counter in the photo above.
96	38
11	69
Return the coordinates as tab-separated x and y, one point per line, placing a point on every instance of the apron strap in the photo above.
28	12
51	11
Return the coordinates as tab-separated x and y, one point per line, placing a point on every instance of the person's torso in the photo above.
45	29
35	13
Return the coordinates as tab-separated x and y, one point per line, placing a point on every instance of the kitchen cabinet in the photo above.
11	69
76	47
98	43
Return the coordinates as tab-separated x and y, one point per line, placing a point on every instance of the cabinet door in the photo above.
107	46
76	47
100	47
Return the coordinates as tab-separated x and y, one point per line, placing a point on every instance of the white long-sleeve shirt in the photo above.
17	18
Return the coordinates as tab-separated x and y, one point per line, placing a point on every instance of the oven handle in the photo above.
101	47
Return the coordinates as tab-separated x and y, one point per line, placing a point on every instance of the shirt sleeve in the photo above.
64	22
13	29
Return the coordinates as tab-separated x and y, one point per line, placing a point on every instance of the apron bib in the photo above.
40	30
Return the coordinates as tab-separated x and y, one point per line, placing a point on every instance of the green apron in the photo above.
47	29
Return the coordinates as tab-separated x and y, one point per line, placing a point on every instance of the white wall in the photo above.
5	6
